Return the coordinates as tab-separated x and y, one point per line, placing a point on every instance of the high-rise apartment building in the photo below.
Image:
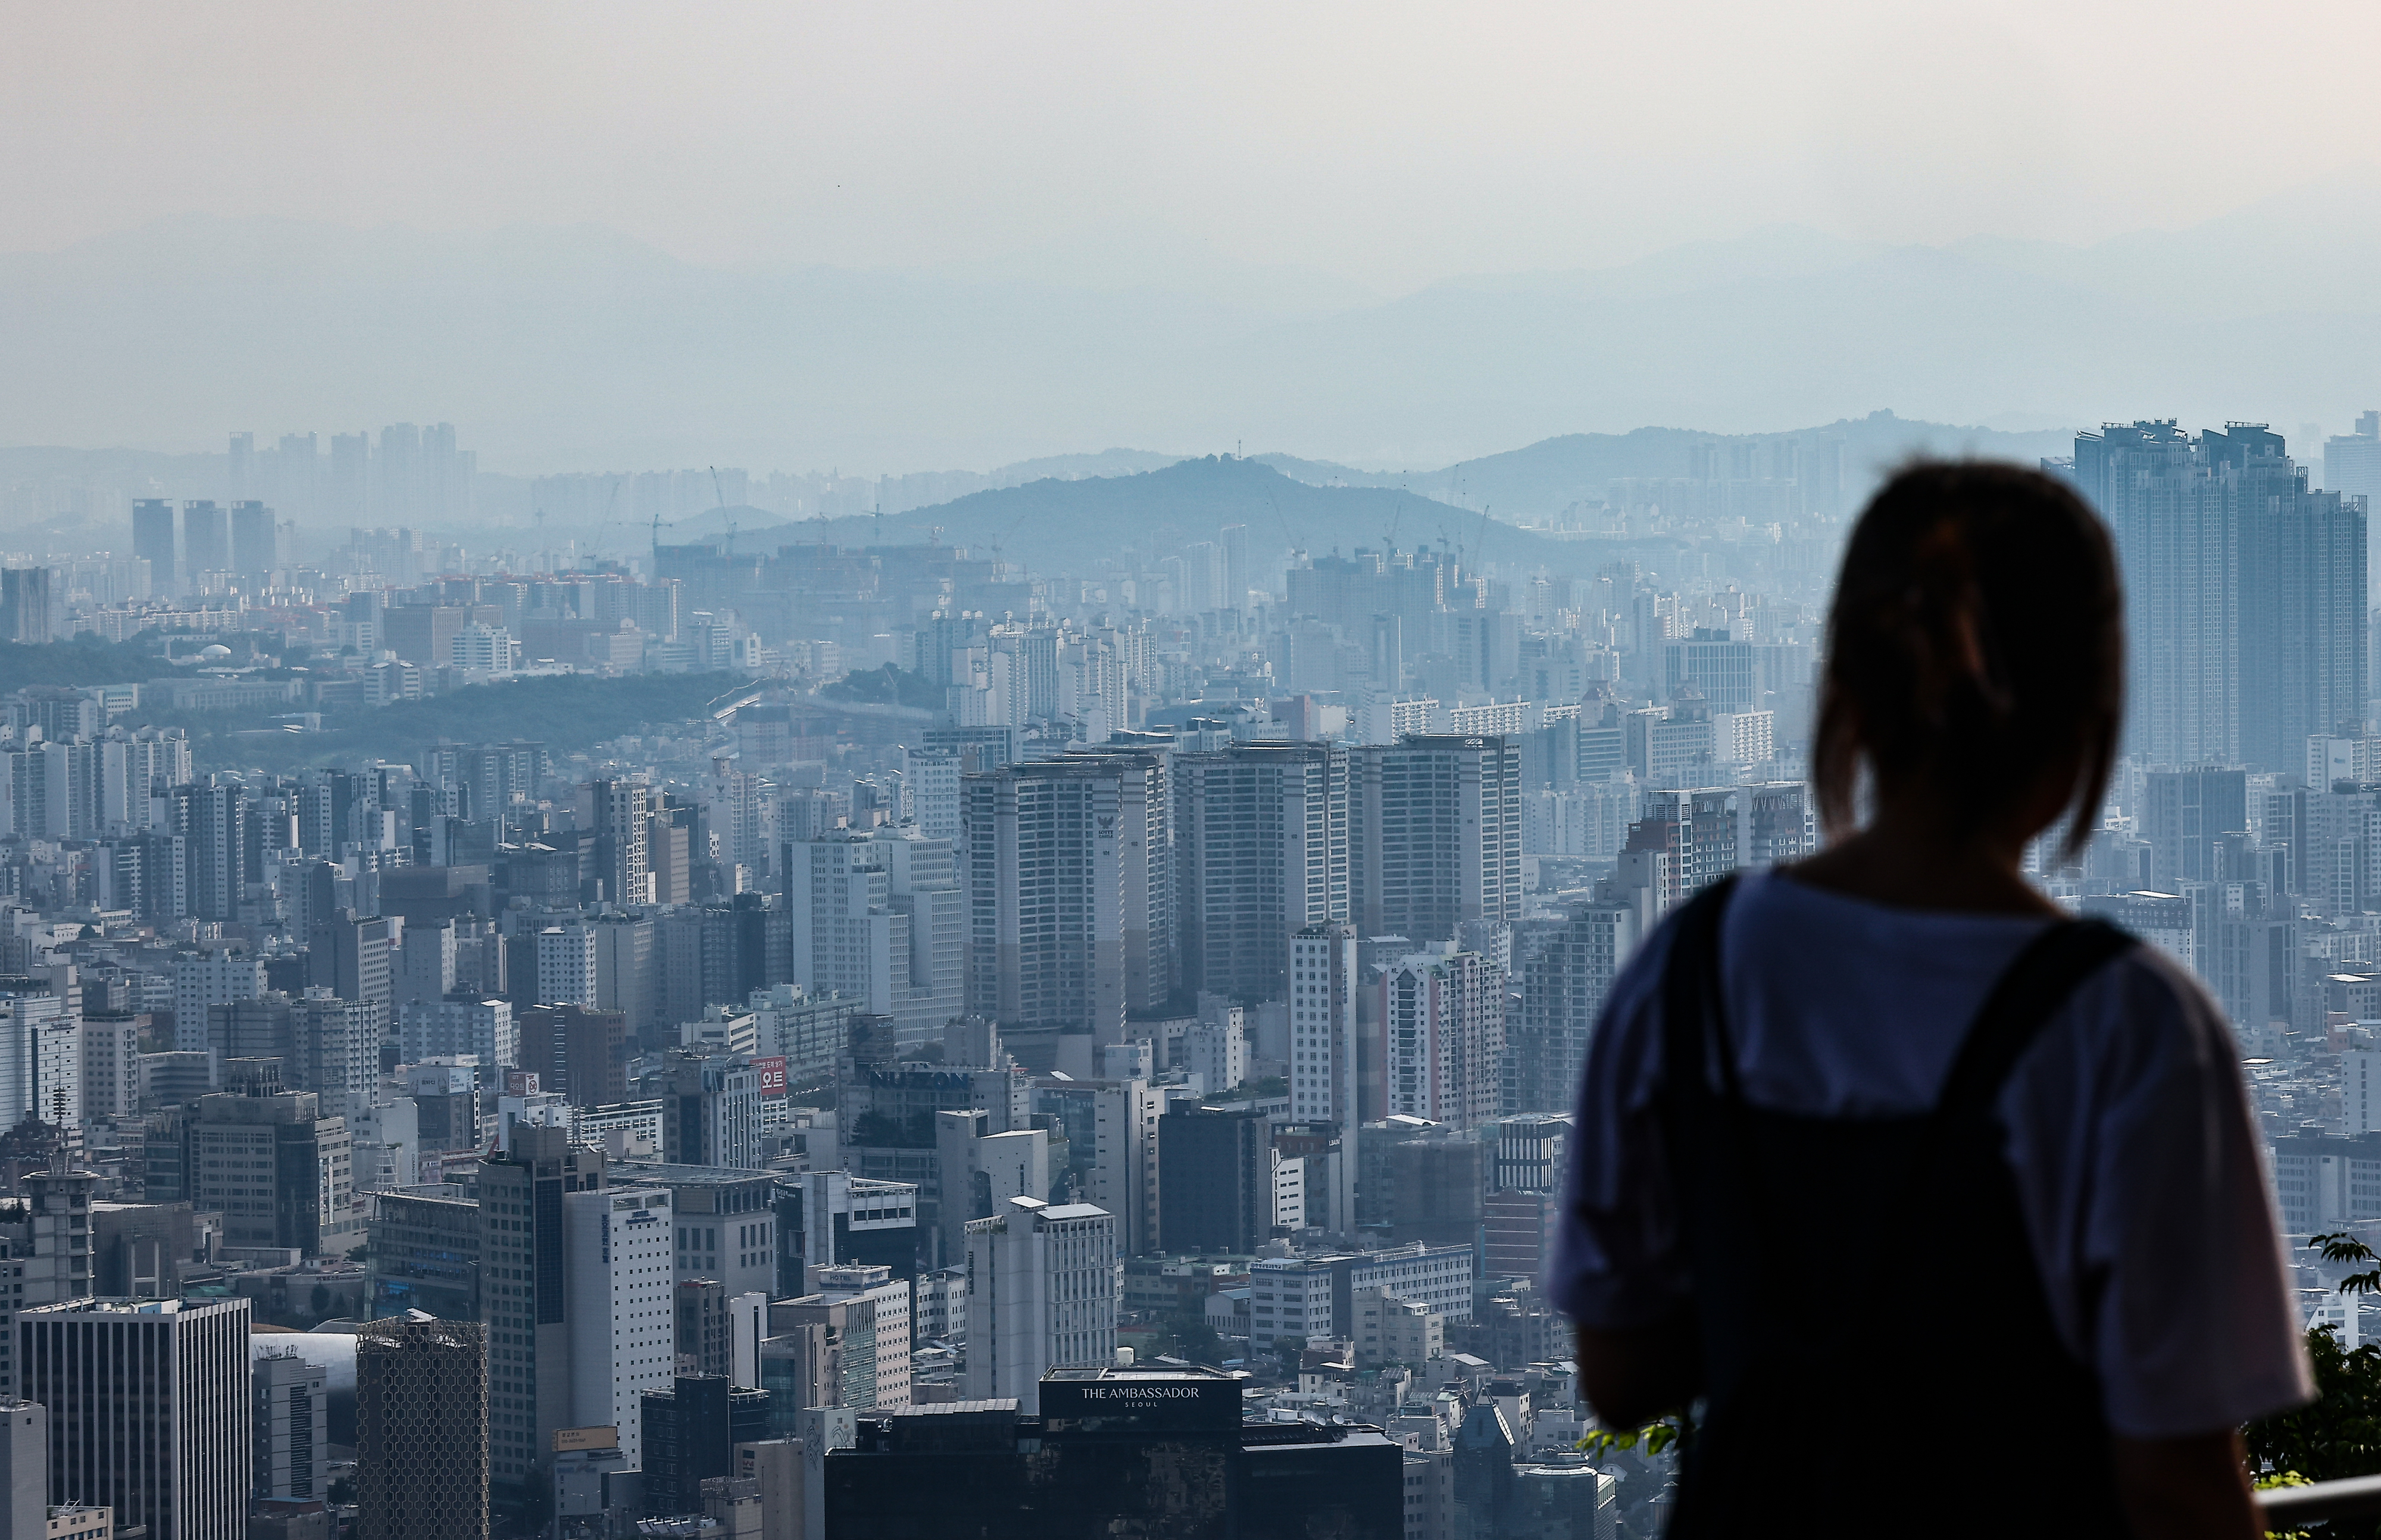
567	966
525	1298
623	1330
422	1435
461	1023
1069	869
1434	835
150	1410
1042	1287
2352	467
1324	984
211	822
1565	983
933	778
2245	592
1262	840
876	916
1443	1036
624	810
26	616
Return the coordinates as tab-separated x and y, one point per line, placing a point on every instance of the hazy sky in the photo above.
1383	143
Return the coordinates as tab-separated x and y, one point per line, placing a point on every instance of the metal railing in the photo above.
2288	1506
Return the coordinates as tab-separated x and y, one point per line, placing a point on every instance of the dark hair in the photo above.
1976	641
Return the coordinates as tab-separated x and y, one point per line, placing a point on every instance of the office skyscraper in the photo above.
279	1172
690	1431
711	1112
2185	815
291	1441
1043	1286
1262	841
152	542
150	1410
1215	1180
206	540
255	543
2245	592
422	1430
622	1320
25	1466
1434	835
523	1296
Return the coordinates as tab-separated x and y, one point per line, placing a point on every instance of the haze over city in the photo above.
1034	771
913	238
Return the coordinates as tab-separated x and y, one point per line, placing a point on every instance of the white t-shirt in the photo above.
2128	1132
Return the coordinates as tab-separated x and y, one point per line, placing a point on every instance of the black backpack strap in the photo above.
1692	1003
2049	970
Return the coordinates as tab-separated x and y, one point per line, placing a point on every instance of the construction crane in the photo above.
604	530
1003	540
720	492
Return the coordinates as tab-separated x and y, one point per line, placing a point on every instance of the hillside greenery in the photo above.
567	713
85	660
887	686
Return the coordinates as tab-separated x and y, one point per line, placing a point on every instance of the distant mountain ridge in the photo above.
578	348
1084	527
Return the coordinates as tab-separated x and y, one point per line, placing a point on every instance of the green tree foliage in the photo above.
887	686
1195	1339
567	713
84	660
2340	1433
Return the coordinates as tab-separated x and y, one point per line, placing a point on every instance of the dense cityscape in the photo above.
1100	1037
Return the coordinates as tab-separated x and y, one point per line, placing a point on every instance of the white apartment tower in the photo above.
215	977
624	810
623	1328
1434	835
1443	1029
933	778
877	917
1042	1285
1323	983
566	967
